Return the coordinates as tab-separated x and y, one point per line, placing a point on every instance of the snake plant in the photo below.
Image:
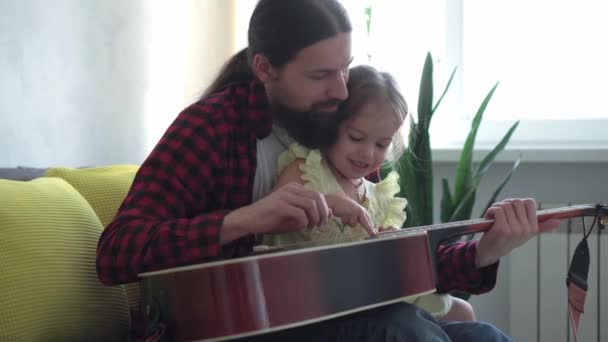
415	166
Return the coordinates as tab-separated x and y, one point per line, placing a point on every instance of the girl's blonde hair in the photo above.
365	84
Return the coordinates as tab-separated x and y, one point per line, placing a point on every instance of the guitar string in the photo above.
441	226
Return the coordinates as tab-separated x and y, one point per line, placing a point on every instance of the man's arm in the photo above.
169	217
456	269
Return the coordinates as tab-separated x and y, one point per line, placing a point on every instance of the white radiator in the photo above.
538	308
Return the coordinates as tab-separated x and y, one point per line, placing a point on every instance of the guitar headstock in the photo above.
602	214
598	211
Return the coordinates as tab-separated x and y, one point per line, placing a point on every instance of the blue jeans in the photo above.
397	322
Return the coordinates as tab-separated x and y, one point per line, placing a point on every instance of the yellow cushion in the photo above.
104	188
48	282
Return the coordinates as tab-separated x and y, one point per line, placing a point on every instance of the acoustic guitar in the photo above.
283	288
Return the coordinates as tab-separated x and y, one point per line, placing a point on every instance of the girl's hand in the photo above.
515	222
350	212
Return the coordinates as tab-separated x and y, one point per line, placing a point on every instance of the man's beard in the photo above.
313	129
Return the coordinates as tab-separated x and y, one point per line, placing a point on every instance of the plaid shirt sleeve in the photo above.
456	269
173	212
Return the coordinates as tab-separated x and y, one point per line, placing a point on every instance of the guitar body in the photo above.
263	293
269	292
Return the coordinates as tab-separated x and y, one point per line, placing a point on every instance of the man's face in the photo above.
312	85
315	80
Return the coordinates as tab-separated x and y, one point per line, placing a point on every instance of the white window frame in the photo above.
560	140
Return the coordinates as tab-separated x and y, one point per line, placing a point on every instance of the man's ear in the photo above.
263	69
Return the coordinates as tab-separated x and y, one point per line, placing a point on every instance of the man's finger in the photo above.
321	209
548	225
308	205
530	205
295	215
510	217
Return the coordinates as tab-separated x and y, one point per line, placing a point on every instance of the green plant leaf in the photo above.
406	167
446	201
385	169
488	159
502	185
415	166
368	14
464	177
465	206
415	180
445	90
425	96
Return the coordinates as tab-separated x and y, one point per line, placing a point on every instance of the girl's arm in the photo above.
291	174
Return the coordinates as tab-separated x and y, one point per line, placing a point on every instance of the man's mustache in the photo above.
329	103
313	129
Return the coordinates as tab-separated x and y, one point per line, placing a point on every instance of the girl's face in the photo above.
363	140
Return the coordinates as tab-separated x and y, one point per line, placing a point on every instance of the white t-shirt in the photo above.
268	151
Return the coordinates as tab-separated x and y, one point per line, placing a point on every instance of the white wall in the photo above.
189	40
97	82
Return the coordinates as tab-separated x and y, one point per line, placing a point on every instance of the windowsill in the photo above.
537	141
530	154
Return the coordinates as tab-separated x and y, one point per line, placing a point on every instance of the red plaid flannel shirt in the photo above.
203	167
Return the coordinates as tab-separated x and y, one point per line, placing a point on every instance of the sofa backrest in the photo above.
21	173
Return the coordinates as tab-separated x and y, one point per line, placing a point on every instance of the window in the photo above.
547	55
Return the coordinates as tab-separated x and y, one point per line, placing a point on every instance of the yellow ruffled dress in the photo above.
385	210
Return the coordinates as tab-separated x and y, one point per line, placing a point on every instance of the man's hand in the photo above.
288	208
515	222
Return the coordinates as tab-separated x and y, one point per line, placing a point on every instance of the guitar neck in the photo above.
444	231
439	233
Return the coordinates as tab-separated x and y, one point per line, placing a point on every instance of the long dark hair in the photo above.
278	29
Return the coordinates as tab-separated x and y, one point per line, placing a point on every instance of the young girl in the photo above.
366	131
